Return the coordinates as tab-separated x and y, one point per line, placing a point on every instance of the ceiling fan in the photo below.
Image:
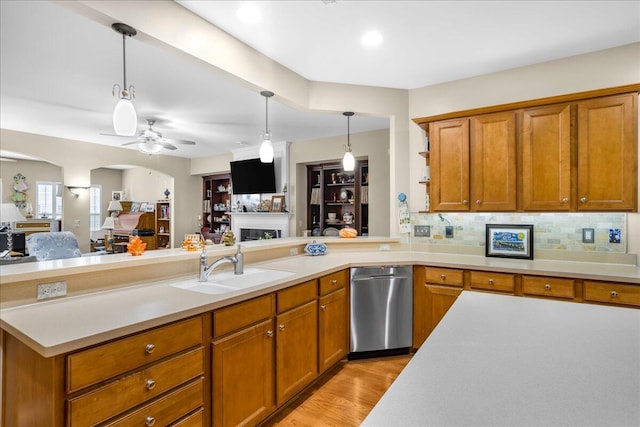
151	141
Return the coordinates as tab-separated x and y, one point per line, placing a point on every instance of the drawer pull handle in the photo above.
323	307
149	421
547	286
269	333
491	282
281	327
150	385
149	348
614	294
443	276
334	282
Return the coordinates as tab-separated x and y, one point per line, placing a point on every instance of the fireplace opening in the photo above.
247	234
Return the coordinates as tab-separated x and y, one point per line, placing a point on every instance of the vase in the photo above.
166	193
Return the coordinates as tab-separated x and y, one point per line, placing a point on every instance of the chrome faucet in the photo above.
237	260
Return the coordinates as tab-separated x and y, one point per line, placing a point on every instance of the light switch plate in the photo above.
422	230
587	235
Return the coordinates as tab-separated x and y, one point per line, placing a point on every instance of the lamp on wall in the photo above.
115	207
9	214
75	190
266	148
125	119
348	161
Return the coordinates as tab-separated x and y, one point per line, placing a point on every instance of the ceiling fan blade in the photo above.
113	134
180	141
130	143
167	145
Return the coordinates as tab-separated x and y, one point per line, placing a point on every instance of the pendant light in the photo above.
348	161
125	119
266	148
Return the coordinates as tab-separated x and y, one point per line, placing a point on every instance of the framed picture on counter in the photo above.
277	203
509	241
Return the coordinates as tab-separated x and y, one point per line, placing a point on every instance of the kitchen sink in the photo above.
227	281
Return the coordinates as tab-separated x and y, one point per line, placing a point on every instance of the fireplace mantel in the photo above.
261	220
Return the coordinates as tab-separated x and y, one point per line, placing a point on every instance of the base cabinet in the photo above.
243	377
333	338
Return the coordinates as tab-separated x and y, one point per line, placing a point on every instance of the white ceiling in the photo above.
58	67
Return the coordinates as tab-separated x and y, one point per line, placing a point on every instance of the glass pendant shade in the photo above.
125	119
348	161
149	147
266	150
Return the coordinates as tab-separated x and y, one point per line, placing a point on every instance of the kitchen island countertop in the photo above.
496	360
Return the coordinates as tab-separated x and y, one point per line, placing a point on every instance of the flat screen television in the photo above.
252	177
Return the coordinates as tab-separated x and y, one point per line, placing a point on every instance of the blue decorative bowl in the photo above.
315	248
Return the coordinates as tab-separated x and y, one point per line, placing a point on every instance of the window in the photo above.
48	199
95	207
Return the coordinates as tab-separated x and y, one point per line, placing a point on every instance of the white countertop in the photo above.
66	324
497	360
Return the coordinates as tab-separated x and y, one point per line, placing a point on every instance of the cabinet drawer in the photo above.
614	293
113	398
548	287
297	295
167	409
334	281
243	314
130	353
493	281
194	420
444	276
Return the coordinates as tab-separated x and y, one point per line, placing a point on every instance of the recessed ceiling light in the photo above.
249	13
371	38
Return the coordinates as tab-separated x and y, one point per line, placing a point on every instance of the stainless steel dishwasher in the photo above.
381	309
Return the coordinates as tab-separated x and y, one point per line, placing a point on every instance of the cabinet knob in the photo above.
491	282
547	286
281	327
150	385
323	307
334	282
465	202
443	276
269	333
149	348
565	200
583	199
614	294
149	421
478	202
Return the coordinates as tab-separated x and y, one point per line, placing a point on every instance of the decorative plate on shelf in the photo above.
330	231
315	248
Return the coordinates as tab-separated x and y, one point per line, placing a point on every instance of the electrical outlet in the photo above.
52	290
587	235
422	230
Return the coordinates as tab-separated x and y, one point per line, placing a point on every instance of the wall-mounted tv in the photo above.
253	177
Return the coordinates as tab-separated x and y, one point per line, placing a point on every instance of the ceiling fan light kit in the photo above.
125	119
266	148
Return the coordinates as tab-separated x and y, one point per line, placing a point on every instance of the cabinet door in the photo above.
449	157
439	301
333	340
546	159
243	376
296	350
607	153
493	162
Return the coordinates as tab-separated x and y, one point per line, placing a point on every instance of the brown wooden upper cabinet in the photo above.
607	153
575	152
473	163
546	159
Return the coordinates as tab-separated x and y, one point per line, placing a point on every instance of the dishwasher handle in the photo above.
380	276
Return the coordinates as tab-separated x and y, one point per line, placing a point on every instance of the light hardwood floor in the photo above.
344	397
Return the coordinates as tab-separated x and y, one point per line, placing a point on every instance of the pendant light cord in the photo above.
266	100
124	60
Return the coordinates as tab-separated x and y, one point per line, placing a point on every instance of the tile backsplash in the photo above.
554	231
